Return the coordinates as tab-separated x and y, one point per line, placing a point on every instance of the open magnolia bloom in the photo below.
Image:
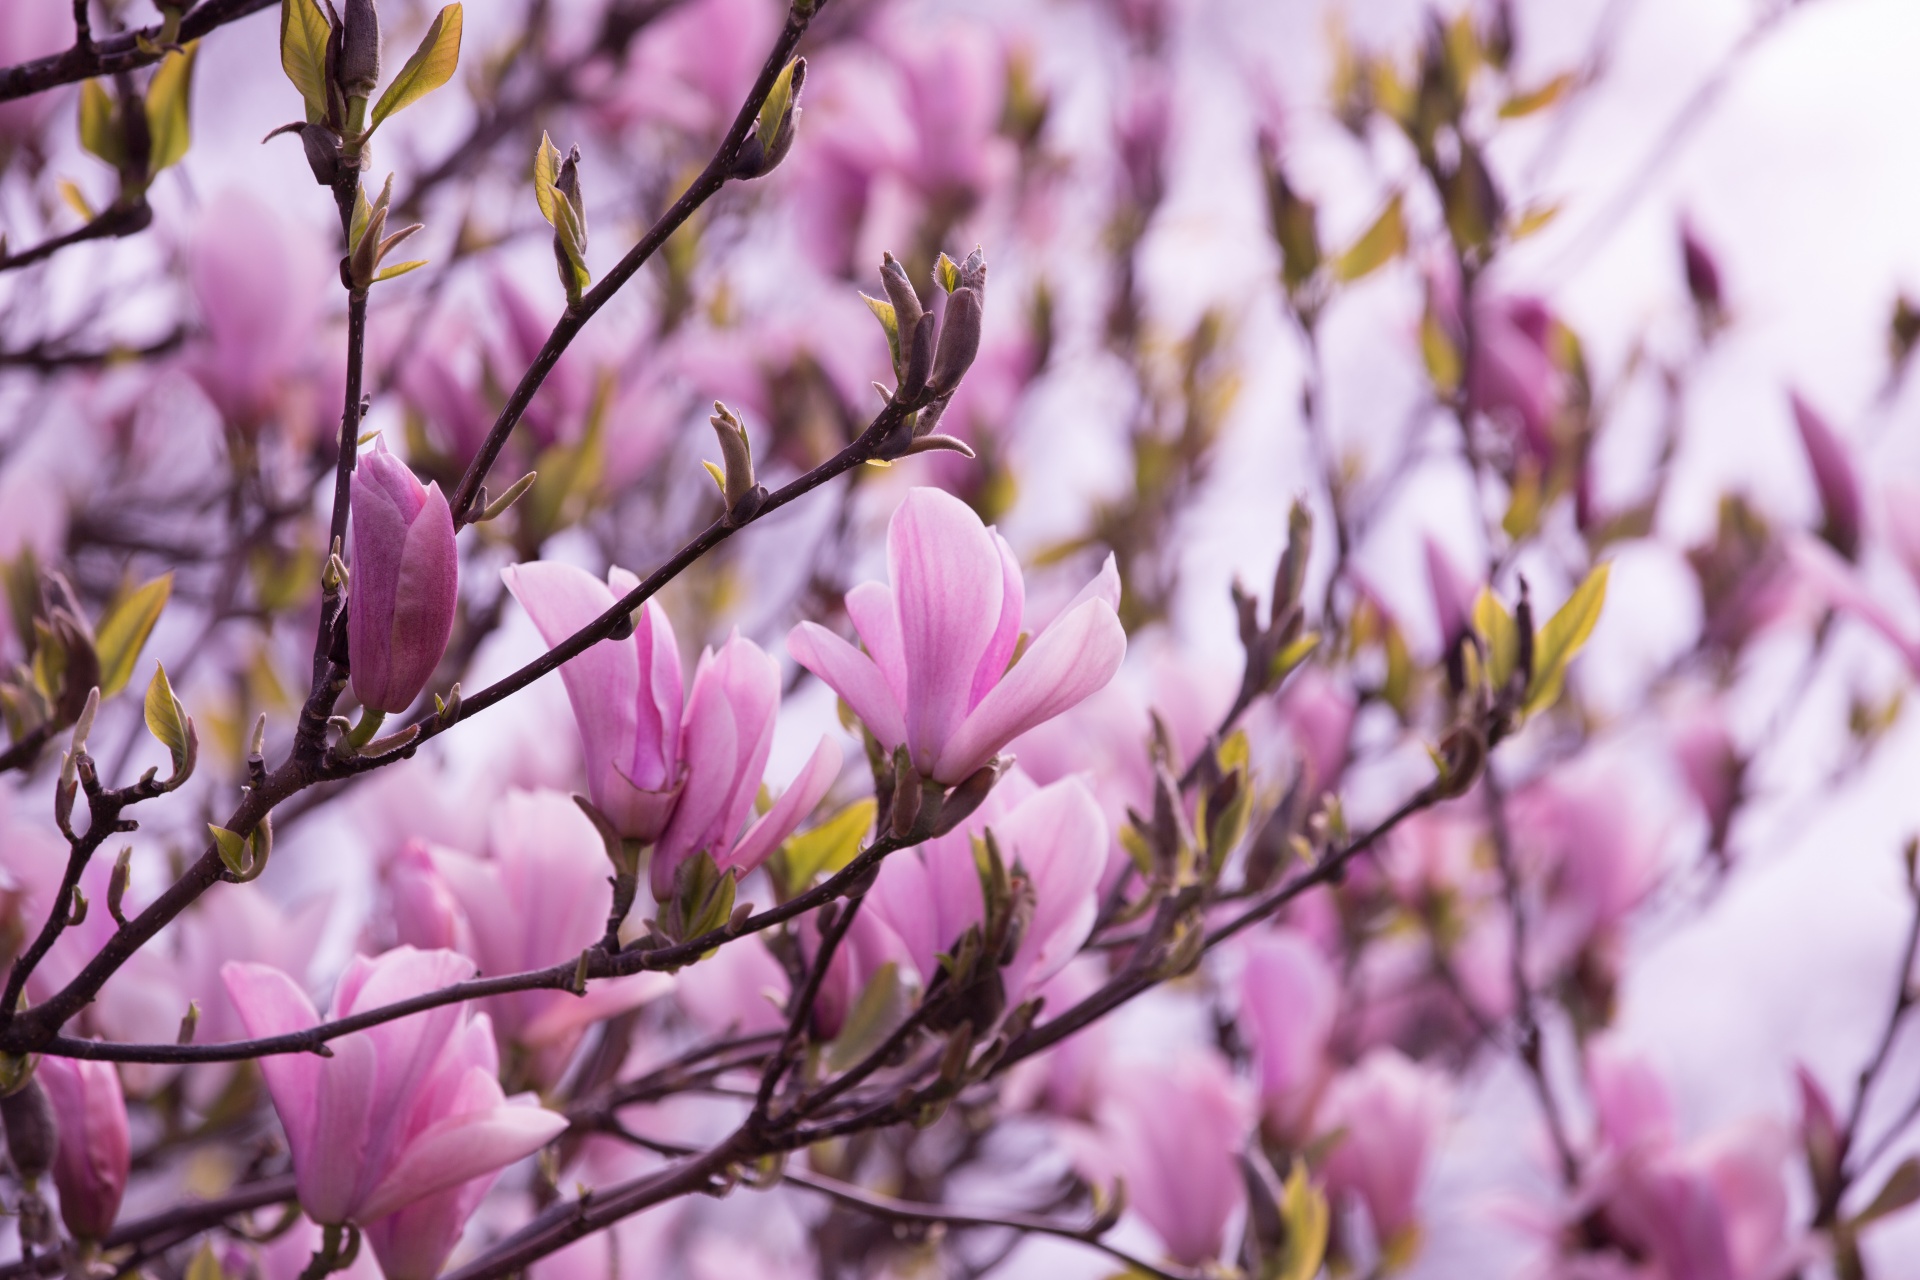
939	640
684	780
403	1112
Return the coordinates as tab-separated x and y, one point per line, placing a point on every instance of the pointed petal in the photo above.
949	583
1006	634
853	675
870	606
790	810
464	1145
1072	659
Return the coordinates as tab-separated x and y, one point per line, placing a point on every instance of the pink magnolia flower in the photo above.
1388	1111
403	1111
540	899
1055	836
1710	764
685	780
1834	478
259	283
1289	997
1713	1210
1595	858
938	641
405	584
95	1150
1173	1133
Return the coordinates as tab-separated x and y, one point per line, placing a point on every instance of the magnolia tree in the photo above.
1096	931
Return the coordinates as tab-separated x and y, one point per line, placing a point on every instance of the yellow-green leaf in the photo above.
431	66
1385	240
205	1265
1441	357
1562	637
774	109
168	120
1534	219
889	322
100	124
881	1007
1532	100
1500	634
400	269
303	53
233	848
165	719
546	172
124	631
947	272
1294	654
828	847
76	199
1303	1207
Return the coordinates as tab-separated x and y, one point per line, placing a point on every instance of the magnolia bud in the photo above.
960	327
358	72
33	1133
405	582
95	1149
736	475
900	292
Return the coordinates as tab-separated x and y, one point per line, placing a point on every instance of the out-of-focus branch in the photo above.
121	220
884	1206
89	57
51	357
719	169
175	1225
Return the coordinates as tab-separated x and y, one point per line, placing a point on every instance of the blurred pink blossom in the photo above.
1388	1111
1288	1000
95	1147
540	899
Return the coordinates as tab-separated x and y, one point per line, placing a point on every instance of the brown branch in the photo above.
89	58
181	1223
884	1206
703	188
121	220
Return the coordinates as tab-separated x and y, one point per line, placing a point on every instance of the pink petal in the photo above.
790	810
1072	659
870	606
853	675
949	582
461	1146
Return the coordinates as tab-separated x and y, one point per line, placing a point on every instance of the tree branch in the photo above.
89	58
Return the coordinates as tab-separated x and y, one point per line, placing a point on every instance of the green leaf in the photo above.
1385	240
399	269
881	1007
774	109
362	214
165	718
431	66
947	273
304	32
205	1265
828	847
1532	100
1303	1207
100	124
1294	654
233	848
889	322
546	171
1562	637
124	631
1441	357
167	114
1501	636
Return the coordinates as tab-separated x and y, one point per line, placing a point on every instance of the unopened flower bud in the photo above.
95	1150
358	71
900	292
736	475
406	577
33	1132
960	328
